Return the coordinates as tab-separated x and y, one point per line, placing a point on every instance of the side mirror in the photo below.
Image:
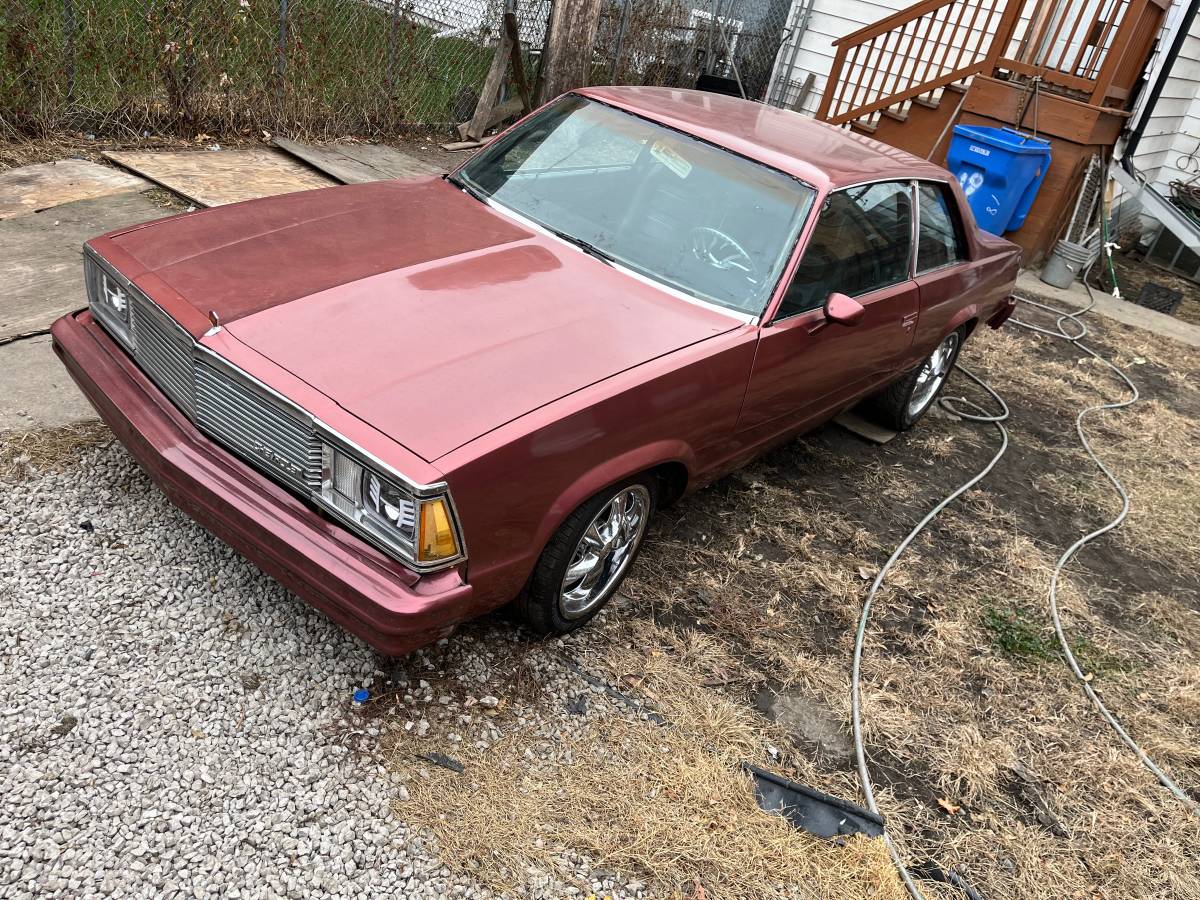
843	310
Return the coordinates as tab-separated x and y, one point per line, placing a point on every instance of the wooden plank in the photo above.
856	424
357	163
491	90
30	188
214	178
41	259
329	159
455	146
390	162
518	64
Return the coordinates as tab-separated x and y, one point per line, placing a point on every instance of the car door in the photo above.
943	275
806	365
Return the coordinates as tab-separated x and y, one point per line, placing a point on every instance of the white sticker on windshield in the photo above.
670	158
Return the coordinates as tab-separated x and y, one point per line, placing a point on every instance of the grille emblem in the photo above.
278	460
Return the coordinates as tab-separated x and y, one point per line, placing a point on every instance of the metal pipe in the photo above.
281	58
69	46
622	25
777	96
732	60
1164	72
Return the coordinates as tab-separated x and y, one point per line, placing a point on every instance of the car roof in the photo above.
821	154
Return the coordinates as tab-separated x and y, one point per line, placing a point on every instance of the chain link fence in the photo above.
334	67
675	43
320	67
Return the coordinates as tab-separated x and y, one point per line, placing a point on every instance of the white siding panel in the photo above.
830	20
1173	126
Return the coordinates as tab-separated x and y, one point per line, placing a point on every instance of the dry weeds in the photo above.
26	453
1046	802
640	799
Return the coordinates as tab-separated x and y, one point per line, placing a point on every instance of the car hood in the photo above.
428	315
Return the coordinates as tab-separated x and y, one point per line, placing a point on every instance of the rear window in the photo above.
940	240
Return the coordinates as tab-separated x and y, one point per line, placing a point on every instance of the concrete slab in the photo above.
41	261
214	178
35	389
1029	285
27	189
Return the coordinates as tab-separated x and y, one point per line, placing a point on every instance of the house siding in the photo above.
1172	132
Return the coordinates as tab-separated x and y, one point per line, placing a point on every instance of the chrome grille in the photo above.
164	351
263	429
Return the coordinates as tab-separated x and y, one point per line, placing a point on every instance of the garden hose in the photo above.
973	413
1083	678
970	411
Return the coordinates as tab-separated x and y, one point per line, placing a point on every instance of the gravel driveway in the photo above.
174	722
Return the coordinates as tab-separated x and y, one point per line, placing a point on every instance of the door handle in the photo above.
909	322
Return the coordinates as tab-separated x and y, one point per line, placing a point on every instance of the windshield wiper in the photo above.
468	188
585	246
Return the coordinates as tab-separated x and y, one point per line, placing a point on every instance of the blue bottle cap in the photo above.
361	695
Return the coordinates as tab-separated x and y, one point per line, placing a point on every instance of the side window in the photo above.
861	243
941	240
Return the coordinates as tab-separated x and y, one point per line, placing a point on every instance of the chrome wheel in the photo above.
932	374
604	552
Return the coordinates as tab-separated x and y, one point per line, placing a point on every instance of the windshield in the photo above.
696	217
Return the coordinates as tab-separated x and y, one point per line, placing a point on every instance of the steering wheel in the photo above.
719	250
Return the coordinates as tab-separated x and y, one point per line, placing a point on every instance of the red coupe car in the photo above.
415	401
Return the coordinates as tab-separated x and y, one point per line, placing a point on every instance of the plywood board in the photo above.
856	424
27	189
41	257
358	163
217	177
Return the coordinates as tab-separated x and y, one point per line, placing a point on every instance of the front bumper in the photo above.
369	594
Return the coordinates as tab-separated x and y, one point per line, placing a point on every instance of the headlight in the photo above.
421	529
109	299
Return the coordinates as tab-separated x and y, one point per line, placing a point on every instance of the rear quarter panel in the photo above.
514	486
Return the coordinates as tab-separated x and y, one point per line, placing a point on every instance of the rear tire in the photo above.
901	404
587	558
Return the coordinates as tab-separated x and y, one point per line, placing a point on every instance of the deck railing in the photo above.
1093	48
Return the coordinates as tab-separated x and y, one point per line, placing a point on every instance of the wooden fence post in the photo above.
569	45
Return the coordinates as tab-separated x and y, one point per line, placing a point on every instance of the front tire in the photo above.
901	404
588	557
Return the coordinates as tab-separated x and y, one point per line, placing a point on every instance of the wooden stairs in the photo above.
922	119
905	79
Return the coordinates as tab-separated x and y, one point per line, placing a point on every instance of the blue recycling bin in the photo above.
1000	170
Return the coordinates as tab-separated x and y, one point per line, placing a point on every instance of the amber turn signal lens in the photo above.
436	536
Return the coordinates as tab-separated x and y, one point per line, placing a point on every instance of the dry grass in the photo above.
966	698
639	799
26	453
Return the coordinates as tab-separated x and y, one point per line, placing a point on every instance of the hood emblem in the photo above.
216	323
